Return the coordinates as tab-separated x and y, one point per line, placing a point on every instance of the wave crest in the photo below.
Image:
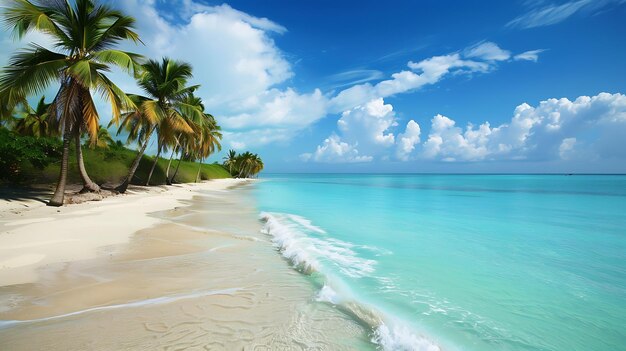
309	249
303	244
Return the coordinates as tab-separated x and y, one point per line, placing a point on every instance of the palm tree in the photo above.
187	143
103	139
208	141
257	165
230	160
248	164
34	121
84	34
165	83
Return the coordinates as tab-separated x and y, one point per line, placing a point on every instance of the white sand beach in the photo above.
156	270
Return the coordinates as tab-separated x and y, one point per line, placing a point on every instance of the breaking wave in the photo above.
310	250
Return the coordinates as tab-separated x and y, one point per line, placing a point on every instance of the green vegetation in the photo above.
19	154
243	165
37	161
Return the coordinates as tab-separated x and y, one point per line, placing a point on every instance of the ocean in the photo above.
460	262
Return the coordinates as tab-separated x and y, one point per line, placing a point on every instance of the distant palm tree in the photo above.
84	34
208	141
230	160
34	121
201	141
247	164
104	138
165	83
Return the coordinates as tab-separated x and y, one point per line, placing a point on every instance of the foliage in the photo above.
103	139
110	166
243	165
35	121
15	151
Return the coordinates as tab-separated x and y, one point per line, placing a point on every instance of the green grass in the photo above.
111	166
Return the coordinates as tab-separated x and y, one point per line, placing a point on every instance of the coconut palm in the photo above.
230	160
170	137
34	121
165	83
103	139
207	142
166	138
248	164
188	143
84	34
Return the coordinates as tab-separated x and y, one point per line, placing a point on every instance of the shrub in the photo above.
17	150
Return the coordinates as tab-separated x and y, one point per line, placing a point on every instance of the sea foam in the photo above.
400	338
299	240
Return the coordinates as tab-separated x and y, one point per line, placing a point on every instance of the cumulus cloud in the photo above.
369	124
370	127
334	150
238	65
408	140
555	13
567	147
549	131
279	109
585	128
233	54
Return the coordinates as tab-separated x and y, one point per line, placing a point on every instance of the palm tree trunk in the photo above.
124	186
156	160
169	164
88	184
59	193
167	170
176	171
199	168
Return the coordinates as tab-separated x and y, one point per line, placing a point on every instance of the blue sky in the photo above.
371	86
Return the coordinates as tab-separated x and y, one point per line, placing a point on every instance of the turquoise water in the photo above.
462	262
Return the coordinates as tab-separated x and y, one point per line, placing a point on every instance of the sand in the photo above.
38	235
182	268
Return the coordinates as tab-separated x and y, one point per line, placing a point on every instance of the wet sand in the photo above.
200	276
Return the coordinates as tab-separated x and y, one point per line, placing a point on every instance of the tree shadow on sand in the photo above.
12	193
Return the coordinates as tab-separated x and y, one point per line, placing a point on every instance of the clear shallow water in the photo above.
462	262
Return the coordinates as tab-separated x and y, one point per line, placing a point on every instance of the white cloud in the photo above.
566	147
480	58
369	124
548	131
449	142
237	64
408	140
488	51
334	150
370	128
531	55
278	108
553	13
232	53
587	128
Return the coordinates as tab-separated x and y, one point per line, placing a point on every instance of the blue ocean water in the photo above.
461	262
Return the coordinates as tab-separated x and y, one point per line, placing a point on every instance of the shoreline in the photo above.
184	268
